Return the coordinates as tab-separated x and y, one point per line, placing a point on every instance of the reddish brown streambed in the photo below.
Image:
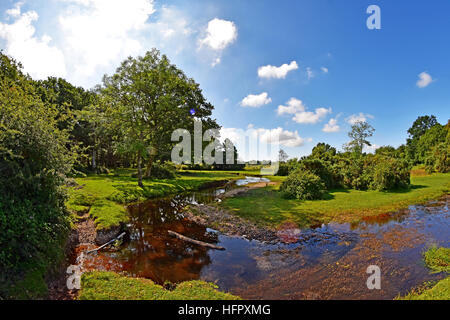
328	262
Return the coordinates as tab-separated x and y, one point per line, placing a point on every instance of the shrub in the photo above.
320	169
33	163
351	172
389	174
286	168
438	160
163	171
303	185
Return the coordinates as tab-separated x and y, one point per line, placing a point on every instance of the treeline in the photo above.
310	177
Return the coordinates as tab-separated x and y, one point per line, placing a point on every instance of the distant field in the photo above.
267	206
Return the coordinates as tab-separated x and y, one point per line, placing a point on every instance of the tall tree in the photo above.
282	156
418	129
359	134
150	98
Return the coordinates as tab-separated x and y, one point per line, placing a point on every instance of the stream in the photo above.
326	262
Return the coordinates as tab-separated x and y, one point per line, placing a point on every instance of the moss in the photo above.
438	260
438	291
112	286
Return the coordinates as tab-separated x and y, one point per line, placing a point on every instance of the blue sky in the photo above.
342	70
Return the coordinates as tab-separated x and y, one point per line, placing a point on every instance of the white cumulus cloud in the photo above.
293	106
332	126
93	36
275	136
301	115
39	57
256	101
372	148
361	117
98	33
220	34
309	117
324	69
280	72
284	137
424	80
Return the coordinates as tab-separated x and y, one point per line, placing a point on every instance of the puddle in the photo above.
327	262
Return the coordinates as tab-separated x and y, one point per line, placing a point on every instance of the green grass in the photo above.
112	286
106	195
430	291
268	207
438	260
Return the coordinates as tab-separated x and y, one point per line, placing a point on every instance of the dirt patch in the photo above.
83	235
242	190
229	224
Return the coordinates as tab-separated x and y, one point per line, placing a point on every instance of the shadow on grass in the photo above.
406	190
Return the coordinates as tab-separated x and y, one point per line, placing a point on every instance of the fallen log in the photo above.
200	243
107	244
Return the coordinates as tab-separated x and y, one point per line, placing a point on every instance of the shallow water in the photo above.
328	262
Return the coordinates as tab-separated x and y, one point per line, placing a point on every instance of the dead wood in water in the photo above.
200	243
107	244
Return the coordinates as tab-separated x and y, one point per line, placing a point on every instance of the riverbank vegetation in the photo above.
112	286
350	186
268	206
104	196
438	260
34	161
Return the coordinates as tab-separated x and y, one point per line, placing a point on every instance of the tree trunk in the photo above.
148	170
197	242
94	163
139	161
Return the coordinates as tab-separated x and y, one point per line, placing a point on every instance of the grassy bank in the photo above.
111	286
267	206
104	196
438	260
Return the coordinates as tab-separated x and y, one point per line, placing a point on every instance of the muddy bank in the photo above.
229	224
83	234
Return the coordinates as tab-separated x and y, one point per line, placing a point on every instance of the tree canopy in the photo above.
149	98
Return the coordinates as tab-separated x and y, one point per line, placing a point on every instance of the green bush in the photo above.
286	168
166	170
352	172
303	185
438	159
390	173
319	168
163	171
33	163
